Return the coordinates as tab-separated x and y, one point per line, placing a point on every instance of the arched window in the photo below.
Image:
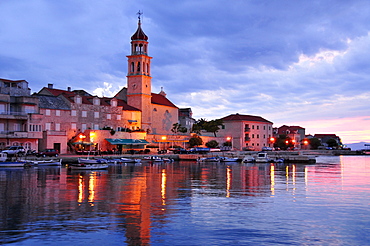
138	66
132	67
147	68
144	67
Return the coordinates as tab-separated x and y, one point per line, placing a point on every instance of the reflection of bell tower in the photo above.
138	78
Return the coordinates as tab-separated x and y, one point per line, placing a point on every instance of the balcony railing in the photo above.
247	129
247	139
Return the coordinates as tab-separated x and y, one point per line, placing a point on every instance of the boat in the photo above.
13	164
45	162
3	156
229	159
263	158
92	161
129	160
88	166
156	159
248	159
209	159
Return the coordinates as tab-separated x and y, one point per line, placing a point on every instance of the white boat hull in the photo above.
83	166
92	161
12	164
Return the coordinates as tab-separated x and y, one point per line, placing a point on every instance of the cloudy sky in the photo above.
292	62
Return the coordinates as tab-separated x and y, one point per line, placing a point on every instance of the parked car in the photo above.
14	150
48	152
265	148
180	151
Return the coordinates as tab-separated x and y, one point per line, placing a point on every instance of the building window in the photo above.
96	101
78	99
47	126
96	114
252	135
83	127
253	127
109	116
118	117
114	103
155	109
47	112
264	127
34	128
57	112
96	127
258	136
84	113
258	127
57	126
73	126
73	112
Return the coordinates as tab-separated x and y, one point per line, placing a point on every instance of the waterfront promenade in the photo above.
301	156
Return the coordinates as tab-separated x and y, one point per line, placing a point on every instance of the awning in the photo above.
83	143
127	141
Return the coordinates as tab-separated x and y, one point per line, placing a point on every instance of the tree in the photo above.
315	143
195	141
178	128
332	142
212	144
209	126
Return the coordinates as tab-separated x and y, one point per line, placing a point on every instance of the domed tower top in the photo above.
139	34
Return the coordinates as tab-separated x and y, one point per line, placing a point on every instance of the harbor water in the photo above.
189	203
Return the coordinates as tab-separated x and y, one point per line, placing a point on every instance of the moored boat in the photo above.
229	159
263	158
92	161
13	164
45	162
88	166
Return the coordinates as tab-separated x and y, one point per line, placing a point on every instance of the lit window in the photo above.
118	117
84	113
47	112
109	116
96	114
57	112
73	112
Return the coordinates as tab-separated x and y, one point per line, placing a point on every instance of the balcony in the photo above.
247	129
20	134
56	133
13	115
246	139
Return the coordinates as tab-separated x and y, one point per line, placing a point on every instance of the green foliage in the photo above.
212	144
332	142
178	128
209	126
227	143
195	141
315	143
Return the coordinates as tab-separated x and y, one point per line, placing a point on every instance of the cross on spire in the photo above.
139	14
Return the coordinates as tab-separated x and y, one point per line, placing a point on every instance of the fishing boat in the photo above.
13	164
229	159
263	158
45	162
248	159
88	166
209	159
92	161
156	159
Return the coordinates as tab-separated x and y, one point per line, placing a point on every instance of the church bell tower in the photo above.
138	78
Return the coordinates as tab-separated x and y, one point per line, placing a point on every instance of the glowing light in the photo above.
91	197
272	139
228	181
80	189
164	138
228	138
272	174
163	186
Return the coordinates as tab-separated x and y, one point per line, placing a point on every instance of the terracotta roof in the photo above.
8	80
139	34
162	100
240	117
125	106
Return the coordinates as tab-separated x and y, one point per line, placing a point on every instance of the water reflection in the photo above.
136	202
